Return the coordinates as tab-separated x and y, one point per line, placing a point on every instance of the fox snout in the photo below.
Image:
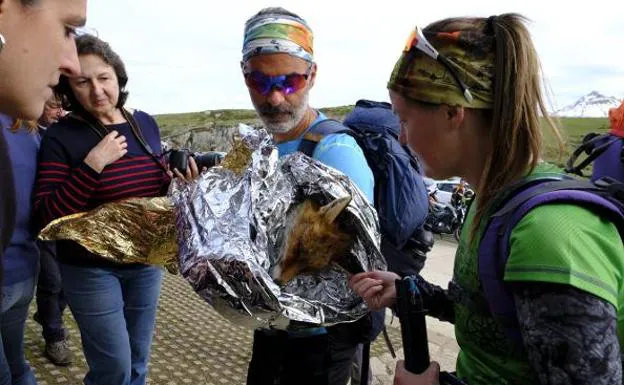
283	276
276	273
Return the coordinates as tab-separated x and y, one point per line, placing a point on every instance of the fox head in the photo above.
314	239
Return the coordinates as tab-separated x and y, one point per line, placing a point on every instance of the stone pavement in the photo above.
195	345
442	345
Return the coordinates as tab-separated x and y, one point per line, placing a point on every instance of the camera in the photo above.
179	159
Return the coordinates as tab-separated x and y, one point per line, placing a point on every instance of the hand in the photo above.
431	376
111	148
191	174
376	288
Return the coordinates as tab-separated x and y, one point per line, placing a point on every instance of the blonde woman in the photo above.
474	111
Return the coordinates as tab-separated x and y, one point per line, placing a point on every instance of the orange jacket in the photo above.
616	120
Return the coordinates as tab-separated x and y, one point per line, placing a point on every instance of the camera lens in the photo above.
178	159
208	159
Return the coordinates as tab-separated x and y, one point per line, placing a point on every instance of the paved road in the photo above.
194	345
442	345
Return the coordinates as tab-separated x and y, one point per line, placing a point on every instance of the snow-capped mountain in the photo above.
592	105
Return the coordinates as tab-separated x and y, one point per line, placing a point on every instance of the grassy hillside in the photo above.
175	123
572	129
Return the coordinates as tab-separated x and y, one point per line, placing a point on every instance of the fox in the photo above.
314	239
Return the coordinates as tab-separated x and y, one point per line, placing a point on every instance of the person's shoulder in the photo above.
137	113
340	145
340	140
66	125
565	223
567	244
337	144
143	117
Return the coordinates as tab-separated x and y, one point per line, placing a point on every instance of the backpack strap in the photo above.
494	245
100	130
593	146
318	131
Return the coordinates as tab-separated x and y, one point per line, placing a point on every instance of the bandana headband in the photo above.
278	34
459	70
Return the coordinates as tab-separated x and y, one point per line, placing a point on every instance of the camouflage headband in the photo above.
468	55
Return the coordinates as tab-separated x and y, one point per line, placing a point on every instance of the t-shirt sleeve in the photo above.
570	245
341	151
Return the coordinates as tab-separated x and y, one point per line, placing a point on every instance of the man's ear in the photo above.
313	75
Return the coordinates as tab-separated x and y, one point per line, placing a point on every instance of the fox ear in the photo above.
331	210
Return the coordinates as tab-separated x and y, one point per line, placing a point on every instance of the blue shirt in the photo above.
21	258
339	151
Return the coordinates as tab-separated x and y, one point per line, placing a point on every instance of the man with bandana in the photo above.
279	70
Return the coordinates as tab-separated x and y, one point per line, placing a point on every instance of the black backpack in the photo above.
606	152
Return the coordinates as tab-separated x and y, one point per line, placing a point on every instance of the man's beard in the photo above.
283	118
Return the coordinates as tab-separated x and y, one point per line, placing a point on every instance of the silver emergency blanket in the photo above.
229	226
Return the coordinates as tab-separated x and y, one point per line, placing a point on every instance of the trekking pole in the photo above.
411	312
365	367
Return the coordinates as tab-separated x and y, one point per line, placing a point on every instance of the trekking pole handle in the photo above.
411	312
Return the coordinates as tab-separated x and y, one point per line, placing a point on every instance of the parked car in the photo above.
444	188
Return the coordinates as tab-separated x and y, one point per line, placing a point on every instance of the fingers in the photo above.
116	136
121	140
429	377
363	287
360	276
400	366
434	368
191	170
368	292
178	174
432	374
358	280
370	296
376	288
122	145
112	135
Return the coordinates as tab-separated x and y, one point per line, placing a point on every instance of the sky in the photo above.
184	55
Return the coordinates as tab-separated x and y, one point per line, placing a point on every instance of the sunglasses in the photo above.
286	84
418	41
